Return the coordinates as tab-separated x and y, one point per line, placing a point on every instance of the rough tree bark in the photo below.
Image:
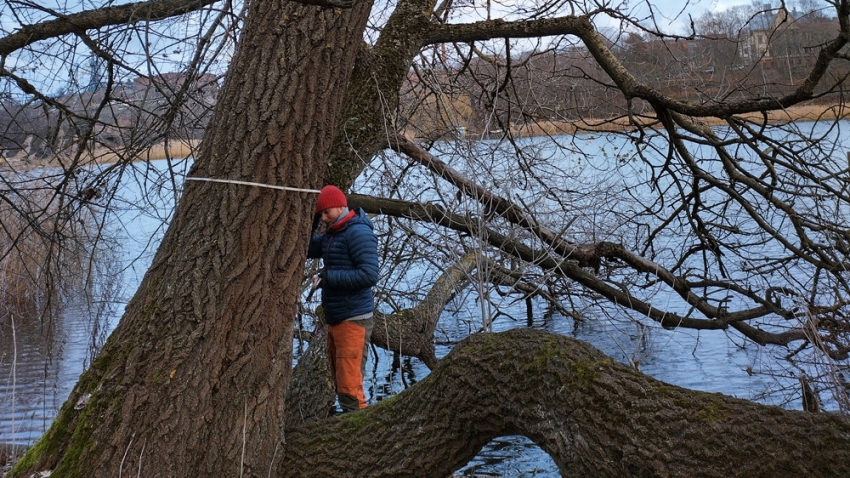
192	381
311	394
591	414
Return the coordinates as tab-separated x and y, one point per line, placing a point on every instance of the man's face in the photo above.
330	215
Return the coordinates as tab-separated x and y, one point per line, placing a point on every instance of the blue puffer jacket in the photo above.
349	250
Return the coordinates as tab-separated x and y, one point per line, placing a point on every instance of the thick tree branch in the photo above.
488	30
591	414
571	270
411	331
373	95
493	202
101	17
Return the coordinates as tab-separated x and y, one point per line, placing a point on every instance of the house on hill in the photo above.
773	34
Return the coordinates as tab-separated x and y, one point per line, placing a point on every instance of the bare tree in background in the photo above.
658	218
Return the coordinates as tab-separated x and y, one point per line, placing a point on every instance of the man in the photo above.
349	252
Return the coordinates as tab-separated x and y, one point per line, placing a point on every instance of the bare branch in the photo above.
98	18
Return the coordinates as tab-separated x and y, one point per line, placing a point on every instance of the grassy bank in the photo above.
807	112
103	155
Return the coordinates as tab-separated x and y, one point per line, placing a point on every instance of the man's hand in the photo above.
317	283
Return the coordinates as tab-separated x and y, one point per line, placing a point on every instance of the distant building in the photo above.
773	34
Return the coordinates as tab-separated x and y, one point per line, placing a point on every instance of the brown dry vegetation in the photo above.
809	112
182	149
25	250
102	155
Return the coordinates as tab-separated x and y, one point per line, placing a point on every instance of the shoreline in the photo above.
809	112
183	149
103	155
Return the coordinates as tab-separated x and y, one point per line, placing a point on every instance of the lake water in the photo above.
37	375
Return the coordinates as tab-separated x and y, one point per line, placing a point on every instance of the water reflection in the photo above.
40	364
30	380
42	358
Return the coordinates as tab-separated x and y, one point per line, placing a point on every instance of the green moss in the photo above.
360	416
586	371
389	400
712	411
545	353
355	419
666	390
152	306
489	342
151	309
78	423
27	461
80	441
51	443
159	377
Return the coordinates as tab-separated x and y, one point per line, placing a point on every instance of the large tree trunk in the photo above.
192	381
591	414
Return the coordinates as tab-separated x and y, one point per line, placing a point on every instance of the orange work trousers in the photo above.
347	349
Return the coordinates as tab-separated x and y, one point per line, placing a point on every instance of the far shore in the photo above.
807	112
182	149
102	155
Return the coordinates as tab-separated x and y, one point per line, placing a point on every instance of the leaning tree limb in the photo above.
411	331
98	18
373	95
571	270
591	414
586	255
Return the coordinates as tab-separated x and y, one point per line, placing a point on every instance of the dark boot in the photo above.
348	402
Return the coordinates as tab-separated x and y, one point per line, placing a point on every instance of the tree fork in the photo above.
373	96
594	416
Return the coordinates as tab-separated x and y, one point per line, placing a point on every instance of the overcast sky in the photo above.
668	10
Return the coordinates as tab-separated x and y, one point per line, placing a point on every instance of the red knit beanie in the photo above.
329	197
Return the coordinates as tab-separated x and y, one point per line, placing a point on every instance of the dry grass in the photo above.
24	256
103	155
43	254
808	112
174	149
